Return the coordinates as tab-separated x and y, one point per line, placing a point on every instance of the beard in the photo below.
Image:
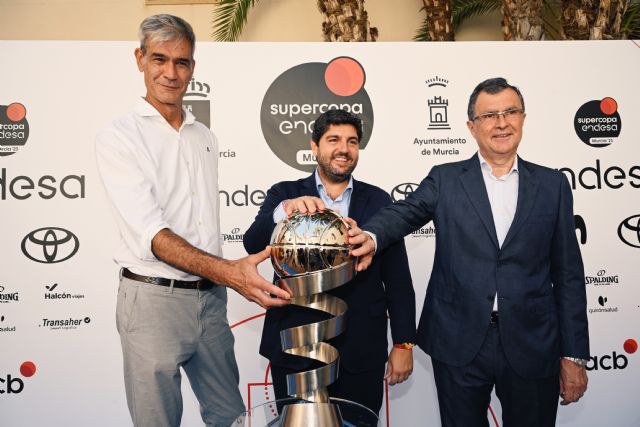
333	174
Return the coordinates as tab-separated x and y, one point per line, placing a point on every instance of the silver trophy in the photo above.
310	255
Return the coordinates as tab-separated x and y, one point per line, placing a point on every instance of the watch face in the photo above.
580	362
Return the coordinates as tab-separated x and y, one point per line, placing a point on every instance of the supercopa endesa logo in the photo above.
598	123
300	94
14	128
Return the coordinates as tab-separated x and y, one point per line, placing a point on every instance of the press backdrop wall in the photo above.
60	360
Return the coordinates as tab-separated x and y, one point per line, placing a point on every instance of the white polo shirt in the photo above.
157	177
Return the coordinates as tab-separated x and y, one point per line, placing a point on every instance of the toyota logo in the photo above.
629	231
50	245
401	191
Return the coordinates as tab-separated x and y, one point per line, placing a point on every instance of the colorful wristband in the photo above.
405	345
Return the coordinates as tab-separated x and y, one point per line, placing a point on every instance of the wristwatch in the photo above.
580	362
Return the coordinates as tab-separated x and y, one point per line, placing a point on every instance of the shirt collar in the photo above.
145	109
320	185
486	166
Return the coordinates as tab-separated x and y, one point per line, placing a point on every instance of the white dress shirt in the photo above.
339	205
503	197
157	177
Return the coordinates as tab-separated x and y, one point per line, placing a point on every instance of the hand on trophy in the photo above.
363	246
244	278
303	205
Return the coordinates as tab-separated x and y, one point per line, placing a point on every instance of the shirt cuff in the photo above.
147	252
375	241
278	213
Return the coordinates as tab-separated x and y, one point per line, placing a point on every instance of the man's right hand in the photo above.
244	278
362	245
303	205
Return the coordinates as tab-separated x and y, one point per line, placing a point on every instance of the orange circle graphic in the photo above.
344	76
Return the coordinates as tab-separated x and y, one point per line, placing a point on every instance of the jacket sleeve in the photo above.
567	275
401	299
258	236
395	221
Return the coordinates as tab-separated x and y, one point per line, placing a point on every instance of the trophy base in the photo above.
310	415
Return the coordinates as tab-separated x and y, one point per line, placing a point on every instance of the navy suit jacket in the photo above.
385	286
537	273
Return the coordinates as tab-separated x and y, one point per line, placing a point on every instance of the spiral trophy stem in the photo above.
311	256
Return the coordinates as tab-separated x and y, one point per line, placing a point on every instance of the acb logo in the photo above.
615	360
15	385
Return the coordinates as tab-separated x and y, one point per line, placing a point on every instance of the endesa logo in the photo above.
12	384
300	94
242	197
50	245
597	123
629	231
14	128
615	360
581	229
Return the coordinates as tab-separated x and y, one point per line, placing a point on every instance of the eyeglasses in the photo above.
492	117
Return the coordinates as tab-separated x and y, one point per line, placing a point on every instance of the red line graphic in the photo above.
248	319
495	420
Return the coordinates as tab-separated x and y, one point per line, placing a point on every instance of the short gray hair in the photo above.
162	28
492	86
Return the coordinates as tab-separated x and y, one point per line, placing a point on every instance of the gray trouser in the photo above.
163	329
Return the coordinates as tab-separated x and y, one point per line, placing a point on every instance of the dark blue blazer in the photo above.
385	287
537	273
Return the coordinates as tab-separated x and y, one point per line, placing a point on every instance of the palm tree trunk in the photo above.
522	19
439	19
346	21
592	19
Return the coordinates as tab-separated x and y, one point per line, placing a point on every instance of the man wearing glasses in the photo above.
506	303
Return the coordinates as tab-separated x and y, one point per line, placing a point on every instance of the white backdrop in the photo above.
60	316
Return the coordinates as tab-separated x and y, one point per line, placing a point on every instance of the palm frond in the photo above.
466	9
423	32
631	21
229	17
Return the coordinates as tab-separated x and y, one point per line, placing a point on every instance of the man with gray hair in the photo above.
506	304
159	169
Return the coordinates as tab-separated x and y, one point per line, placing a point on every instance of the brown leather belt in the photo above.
202	284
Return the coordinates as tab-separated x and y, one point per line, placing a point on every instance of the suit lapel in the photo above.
358	202
309	187
527	189
473	184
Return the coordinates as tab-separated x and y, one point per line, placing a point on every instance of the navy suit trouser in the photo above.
464	392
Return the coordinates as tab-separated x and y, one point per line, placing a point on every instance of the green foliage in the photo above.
229	17
467	9
631	20
462	10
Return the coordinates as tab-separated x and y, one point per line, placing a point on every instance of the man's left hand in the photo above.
399	365
573	381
